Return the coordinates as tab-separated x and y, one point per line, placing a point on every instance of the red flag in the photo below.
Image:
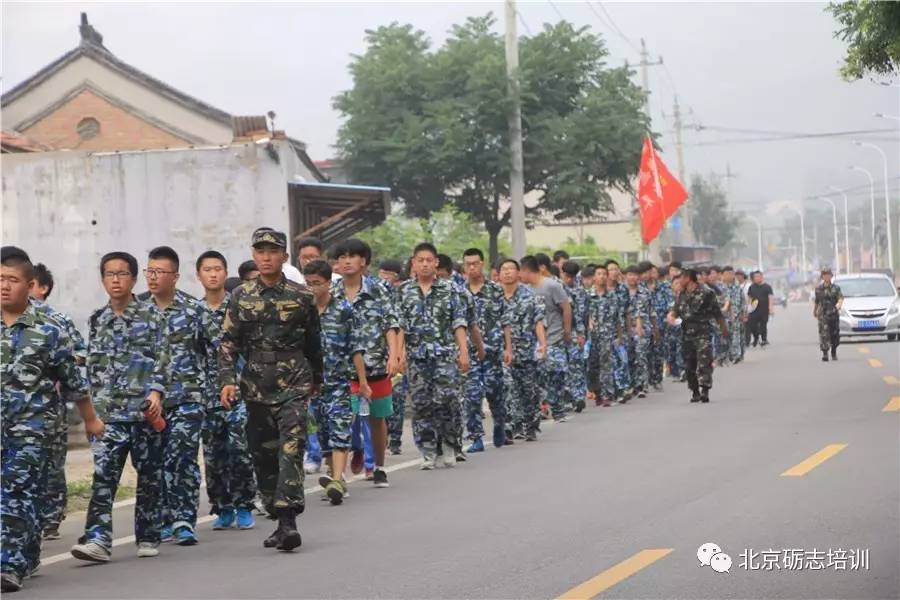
659	194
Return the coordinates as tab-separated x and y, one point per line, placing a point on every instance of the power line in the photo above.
556	10
782	137
612	24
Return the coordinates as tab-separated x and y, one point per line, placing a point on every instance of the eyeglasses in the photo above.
154	273
116	275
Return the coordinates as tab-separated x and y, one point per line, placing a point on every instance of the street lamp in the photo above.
846	224
834	220
887	202
803	265
759	264
872	206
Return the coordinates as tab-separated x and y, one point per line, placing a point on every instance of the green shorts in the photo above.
381	407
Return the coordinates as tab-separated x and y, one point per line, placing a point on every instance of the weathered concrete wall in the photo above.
67	209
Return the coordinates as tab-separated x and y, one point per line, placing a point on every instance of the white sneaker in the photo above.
311	468
427	463
147	550
449	459
92	552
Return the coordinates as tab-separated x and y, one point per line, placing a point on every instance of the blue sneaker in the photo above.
477	446
245	519
165	534
185	537
499	435
225	519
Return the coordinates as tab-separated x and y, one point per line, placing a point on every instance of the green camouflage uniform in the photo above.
128	357
36	353
828	315
276	329
429	323
230	480
733	319
697	310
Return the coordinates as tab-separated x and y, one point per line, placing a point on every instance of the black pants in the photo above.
758	326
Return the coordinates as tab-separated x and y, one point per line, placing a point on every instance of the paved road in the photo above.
616	501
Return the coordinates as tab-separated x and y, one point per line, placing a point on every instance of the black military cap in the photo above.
266	235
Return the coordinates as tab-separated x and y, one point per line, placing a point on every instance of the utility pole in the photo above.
683	213
654	246
516	171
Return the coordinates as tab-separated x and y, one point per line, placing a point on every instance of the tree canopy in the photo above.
872	30
432	123
710	221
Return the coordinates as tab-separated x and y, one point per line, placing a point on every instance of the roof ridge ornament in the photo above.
89	35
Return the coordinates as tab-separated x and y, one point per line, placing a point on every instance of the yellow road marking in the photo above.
802	468
863	350
893	405
891	380
615	574
874	362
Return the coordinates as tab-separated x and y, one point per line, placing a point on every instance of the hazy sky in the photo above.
743	66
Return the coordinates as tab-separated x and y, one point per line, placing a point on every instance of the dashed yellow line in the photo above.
891	380
874	362
802	468
893	405
615	574
863	350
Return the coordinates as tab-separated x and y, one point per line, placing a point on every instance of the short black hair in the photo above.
554	270
425	247
13	256
587	271
354	247
560	254
44	278
474	252
631	269
543	260
691	274
570	267
752	273
318	267
119	255
307	241
642	267
715	268
211	254
445	263
165	253
727	268
530	263
676	264
704	271
246	267
394	266
740	272
503	261
611	261
598	267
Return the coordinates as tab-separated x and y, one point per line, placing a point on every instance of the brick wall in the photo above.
119	129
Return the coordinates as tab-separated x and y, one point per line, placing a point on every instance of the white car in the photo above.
871	306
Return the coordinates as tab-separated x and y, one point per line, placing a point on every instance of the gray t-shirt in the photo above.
553	296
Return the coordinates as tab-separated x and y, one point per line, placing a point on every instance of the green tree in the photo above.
710	221
448	229
872	31
433	124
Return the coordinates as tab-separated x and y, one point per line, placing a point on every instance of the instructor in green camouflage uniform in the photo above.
274	324
827	310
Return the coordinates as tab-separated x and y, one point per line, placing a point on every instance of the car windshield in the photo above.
865	287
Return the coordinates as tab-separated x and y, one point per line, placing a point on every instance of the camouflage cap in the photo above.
266	235
827	270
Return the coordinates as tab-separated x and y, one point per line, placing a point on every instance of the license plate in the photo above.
869	324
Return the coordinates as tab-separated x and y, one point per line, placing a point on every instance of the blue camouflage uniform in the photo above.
523	311
621	373
736	311
640	306
429	322
128	357
36	353
193	336
341	336
603	330
485	378
576	382
55	495
659	298
230	480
